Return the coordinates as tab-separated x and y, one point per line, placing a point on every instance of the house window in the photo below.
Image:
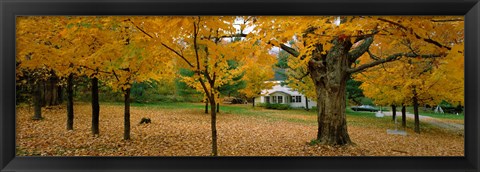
296	99
299	99
267	99
274	99
280	99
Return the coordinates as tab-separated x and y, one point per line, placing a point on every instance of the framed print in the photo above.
239	85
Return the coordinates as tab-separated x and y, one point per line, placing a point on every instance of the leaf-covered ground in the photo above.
184	130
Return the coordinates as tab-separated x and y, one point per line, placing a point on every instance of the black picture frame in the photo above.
11	8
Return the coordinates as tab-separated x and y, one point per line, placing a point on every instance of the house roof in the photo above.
279	88
278	92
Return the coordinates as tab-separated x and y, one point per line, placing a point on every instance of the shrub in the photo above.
275	106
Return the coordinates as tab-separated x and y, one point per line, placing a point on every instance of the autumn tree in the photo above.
38	42
258	69
204	45
132	59
417	81
86	39
297	79
330	48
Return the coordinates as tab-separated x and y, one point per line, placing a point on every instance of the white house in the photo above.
284	95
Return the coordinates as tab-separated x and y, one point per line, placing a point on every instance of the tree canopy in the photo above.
392	55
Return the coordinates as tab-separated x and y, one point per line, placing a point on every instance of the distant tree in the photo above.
354	92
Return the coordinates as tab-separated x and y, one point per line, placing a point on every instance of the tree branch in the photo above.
178	54
195	46
171	49
114	74
288	49
428	40
96	70
365	36
389	59
303	76
234	35
446	20
139	28
361	49
372	56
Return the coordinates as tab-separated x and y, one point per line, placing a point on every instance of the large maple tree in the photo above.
331	47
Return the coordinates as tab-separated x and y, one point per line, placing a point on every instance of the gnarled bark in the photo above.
330	77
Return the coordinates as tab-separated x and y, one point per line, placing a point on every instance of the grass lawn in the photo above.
183	129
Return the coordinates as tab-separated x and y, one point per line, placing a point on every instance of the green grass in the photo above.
354	118
443	116
436	115
161	105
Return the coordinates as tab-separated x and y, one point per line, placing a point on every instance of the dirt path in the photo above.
459	128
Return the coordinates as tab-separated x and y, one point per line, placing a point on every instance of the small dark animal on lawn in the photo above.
145	121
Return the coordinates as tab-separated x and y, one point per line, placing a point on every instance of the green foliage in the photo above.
153	91
314	142
366	101
275	106
236	84
281	65
185	92
282	59
354	92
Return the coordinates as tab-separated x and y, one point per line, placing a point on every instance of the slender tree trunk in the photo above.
415	110
404	116
55	92
206	106
394	112
214	127
95	107
59	94
253	102
70	102
126	133
330	78
218	107
51	90
306	103
37	101
42	93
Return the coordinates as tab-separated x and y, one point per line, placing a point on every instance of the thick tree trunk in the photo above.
404	116
70	102
37	101
330	77
415	110
95	107
214	127
206	106
394	112
126	133
306	103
